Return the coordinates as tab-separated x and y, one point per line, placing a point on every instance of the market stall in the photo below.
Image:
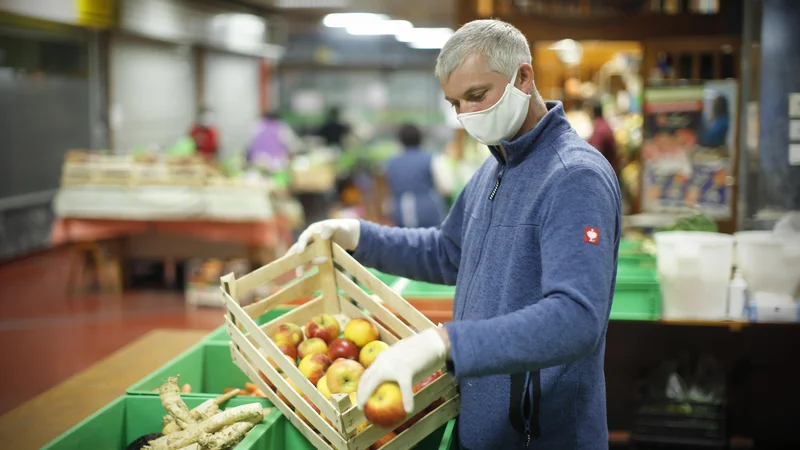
132	199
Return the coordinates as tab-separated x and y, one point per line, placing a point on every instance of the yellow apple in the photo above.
361	331
385	407
314	366
343	376
370	351
322	385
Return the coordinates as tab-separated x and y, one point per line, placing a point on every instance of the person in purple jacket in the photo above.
531	245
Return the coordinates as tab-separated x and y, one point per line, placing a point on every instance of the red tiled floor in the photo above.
46	337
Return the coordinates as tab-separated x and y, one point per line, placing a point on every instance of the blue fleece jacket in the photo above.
531	245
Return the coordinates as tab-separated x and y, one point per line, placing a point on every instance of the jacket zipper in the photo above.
532	395
500	174
497	182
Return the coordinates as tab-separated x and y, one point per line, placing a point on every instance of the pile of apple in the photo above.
333	360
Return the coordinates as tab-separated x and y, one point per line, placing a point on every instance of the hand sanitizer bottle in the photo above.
737	296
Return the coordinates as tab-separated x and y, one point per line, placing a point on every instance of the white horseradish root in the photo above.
205	427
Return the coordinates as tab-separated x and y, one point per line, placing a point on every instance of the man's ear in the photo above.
525	78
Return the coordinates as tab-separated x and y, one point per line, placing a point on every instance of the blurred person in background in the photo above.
273	143
602	137
714	132
205	134
412	181
531	244
333	130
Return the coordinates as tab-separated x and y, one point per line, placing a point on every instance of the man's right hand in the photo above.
345	232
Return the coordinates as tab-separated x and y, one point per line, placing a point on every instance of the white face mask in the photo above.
500	121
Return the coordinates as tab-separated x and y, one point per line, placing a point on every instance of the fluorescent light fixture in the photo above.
344	20
425	38
288	4
375	28
418	34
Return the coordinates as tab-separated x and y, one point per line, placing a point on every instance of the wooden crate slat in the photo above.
353	311
392	298
304	287
253	354
287	410
269	272
377	309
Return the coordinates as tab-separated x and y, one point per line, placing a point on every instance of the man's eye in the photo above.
478	97
455	104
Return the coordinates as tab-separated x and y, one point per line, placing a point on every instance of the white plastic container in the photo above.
694	268
769	262
737	296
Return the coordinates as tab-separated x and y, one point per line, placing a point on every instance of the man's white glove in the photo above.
411	359
345	232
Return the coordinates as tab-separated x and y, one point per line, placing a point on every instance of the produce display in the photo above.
334	359
205	427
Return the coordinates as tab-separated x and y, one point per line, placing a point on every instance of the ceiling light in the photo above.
344	20
288	4
418	34
374	27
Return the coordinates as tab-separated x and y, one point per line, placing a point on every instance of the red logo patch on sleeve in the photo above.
591	235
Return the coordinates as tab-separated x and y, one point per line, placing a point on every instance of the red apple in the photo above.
427	381
361	332
371	351
343	376
289	334
342	348
310	346
385	407
323	326
314	367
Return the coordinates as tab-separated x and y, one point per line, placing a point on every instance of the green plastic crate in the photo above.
632	255
283	435
422	290
221	333
128	418
207	367
637	295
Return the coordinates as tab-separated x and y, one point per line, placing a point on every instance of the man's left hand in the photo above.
413	357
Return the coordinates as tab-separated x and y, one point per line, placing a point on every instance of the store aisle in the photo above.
46	337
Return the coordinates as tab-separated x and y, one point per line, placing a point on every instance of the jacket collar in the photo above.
553	124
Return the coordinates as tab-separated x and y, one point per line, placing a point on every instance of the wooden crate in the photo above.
333	292
88	168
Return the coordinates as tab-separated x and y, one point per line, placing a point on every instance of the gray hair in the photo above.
504	47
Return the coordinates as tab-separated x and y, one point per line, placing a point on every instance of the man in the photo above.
602	137
531	245
412	181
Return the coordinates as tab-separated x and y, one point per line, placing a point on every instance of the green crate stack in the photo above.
637	295
130	417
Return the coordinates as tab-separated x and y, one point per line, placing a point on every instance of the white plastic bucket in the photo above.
770	263
694	268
